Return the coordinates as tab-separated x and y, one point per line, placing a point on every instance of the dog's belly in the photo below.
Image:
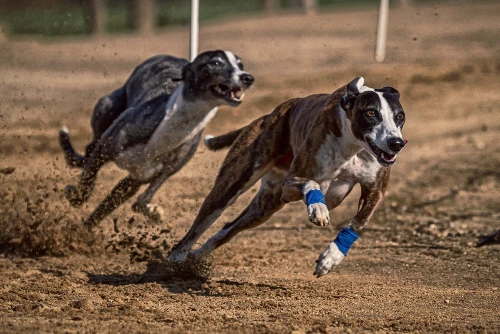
177	128
138	164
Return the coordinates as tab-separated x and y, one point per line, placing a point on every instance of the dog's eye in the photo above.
400	117
215	63
240	65
370	113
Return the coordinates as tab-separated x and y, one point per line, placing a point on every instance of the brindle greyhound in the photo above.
313	149
152	126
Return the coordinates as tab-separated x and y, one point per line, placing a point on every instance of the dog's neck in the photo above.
184	119
349	145
184	101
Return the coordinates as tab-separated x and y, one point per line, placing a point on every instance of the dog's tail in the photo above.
222	141
72	157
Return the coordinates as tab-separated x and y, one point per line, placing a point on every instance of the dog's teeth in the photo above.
237	95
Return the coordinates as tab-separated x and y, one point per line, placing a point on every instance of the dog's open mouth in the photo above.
233	95
384	158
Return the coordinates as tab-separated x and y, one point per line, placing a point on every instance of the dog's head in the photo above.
377	118
217	75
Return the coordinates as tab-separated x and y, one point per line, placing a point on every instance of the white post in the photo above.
193	45
383	22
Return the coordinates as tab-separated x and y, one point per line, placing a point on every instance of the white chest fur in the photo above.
344	158
183	121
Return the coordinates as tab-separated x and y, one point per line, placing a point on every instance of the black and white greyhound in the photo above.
152	126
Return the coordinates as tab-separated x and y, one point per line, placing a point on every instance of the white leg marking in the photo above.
326	260
181	254
209	246
317	212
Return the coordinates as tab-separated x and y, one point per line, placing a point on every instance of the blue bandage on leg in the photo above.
315	196
345	239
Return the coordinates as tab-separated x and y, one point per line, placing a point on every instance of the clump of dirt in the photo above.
141	245
197	269
31	225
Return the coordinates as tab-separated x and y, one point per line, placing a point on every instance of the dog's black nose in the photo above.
247	79
395	144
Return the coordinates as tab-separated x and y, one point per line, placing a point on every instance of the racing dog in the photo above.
152	126
313	149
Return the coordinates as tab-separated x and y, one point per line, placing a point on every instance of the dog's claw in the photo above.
318	214
73	196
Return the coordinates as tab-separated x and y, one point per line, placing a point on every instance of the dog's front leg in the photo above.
371	197
297	188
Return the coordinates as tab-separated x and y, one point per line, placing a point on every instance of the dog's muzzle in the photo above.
395	144
233	92
386	158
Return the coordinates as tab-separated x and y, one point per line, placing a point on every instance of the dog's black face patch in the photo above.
377	119
218	74
365	114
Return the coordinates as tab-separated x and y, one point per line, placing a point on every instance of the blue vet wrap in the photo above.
345	239
315	196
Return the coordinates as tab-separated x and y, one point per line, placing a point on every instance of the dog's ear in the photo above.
388	90
352	92
188	73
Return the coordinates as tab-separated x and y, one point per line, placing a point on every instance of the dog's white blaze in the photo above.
232	59
387	128
234	62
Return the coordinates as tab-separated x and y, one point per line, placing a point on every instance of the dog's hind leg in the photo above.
225	192
263	206
143	206
72	158
243	167
176	160
78	195
106	110
125	189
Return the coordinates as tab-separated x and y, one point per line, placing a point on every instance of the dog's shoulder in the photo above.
159	75
316	112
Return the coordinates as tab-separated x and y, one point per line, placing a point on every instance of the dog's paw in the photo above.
318	214
150	211
332	256
177	257
73	196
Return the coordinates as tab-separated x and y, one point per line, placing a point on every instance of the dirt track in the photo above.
415	269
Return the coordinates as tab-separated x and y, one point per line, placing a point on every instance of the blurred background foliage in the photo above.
66	17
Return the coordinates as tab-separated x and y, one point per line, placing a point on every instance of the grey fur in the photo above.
152	126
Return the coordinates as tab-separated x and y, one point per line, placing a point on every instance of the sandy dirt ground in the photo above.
415	269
